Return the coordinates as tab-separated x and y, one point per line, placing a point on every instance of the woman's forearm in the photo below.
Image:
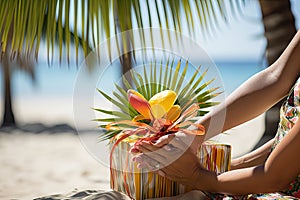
236	182
251	99
257	94
280	168
254	158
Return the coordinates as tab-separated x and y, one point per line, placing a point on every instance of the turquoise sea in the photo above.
50	98
58	81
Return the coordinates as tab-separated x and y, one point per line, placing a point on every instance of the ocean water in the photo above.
50	99
58	81
235	73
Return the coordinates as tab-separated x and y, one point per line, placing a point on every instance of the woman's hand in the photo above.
171	157
194	142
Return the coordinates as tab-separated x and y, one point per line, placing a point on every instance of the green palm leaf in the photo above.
172	78
27	21
114	113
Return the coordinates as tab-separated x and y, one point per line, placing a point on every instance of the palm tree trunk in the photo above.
8	115
126	58
279	25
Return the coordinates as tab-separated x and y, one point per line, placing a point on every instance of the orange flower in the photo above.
139	103
161	105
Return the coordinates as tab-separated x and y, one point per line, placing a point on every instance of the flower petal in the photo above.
139	103
138	118
136	93
162	102
173	113
158	111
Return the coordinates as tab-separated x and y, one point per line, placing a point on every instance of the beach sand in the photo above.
34	165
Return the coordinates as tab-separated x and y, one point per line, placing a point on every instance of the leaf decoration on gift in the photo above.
159	92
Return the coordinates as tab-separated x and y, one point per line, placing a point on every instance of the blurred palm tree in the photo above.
279	25
25	64
84	24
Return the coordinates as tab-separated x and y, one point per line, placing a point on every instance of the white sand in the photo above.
49	111
33	165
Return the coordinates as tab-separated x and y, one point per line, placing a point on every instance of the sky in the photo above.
242	38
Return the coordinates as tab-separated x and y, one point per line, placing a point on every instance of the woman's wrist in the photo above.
206	180
197	142
236	163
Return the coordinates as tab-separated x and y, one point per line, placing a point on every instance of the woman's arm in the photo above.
257	94
281	167
254	158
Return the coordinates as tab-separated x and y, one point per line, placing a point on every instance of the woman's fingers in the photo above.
164	140
153	152
165	153
145	161
155	158
186	140
183	140
169	161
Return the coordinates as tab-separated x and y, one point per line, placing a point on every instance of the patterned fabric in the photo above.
278	196
289	114
269	196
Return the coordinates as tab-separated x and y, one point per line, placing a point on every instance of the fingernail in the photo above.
167	148
161	173
140	165
133	150
138	159
153	142
146	142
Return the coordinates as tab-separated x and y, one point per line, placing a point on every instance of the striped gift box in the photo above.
215	156
142	184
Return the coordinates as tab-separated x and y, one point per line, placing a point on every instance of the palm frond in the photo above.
120	105
22	23
114	113
150	79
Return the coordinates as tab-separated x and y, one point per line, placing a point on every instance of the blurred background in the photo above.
36	96
43	94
